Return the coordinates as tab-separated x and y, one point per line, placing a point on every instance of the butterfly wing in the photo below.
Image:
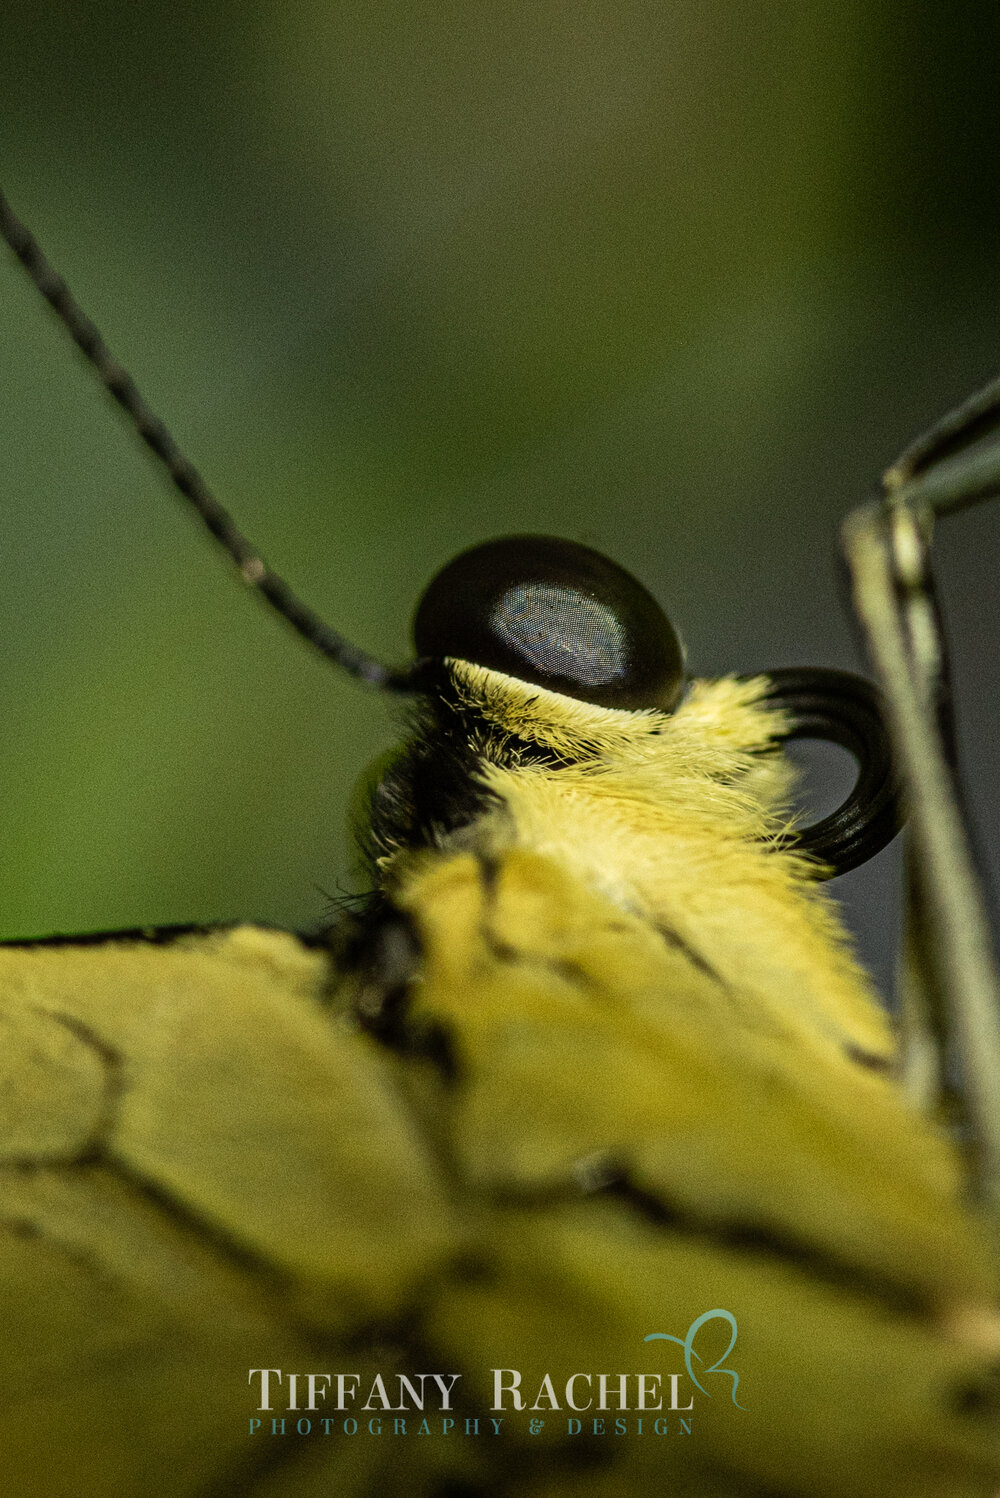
203	1173
210	1168
646	1146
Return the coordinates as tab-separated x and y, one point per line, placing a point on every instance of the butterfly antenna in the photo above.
183	474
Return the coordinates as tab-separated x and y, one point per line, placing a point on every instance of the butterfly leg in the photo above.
951	1000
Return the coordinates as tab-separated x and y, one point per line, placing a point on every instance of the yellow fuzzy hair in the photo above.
673	818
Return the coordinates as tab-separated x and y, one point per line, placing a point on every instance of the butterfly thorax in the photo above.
676	819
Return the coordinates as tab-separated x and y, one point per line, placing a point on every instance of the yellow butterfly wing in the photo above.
209	1167
809	1200
202	1173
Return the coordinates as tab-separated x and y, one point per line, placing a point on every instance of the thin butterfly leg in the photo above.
951	999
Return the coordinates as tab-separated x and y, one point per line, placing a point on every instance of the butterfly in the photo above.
578	1157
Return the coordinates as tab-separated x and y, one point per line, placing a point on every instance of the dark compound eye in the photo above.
555	614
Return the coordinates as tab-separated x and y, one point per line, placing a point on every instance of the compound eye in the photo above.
555	614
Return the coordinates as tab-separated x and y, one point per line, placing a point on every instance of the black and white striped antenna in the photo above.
182	472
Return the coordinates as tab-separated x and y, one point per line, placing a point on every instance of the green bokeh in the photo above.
674	280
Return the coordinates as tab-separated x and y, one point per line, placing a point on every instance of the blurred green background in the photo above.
673	279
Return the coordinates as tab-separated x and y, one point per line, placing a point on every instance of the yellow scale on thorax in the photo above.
673	818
